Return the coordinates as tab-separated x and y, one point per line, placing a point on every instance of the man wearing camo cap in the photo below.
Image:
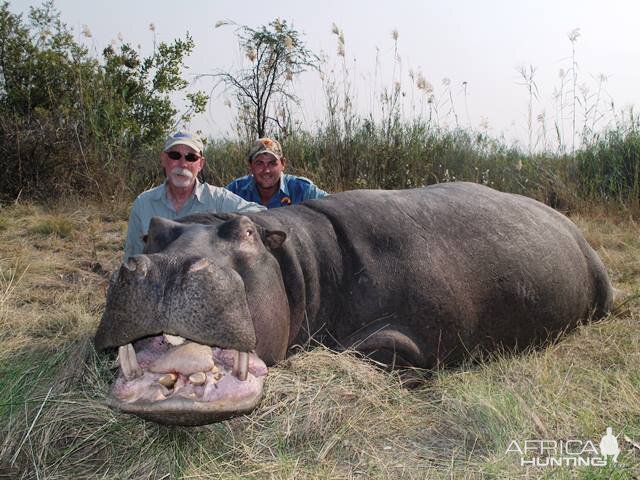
267	184
182	193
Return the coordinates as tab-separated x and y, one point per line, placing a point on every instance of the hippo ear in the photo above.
162	232
273	239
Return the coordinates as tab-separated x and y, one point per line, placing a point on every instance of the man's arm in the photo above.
312	191
233	186
234	203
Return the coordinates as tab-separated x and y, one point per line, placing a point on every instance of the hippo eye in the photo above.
249	233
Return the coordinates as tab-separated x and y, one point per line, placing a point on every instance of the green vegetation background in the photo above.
72	124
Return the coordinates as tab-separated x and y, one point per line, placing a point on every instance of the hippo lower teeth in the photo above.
168	380
198	378
174	339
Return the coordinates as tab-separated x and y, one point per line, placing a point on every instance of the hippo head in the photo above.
196	319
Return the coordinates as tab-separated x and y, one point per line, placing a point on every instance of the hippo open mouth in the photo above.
170	380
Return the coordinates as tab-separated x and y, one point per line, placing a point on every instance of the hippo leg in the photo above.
387	344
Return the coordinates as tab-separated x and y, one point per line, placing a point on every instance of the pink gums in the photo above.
220	383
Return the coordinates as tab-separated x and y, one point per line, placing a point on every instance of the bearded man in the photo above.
182	193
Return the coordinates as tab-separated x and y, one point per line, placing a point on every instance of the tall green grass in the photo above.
610	168
414	155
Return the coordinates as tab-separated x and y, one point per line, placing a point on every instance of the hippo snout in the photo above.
192	297
185	340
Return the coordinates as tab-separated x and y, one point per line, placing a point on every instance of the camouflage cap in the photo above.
265	145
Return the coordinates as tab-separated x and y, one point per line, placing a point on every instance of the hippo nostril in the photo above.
138	264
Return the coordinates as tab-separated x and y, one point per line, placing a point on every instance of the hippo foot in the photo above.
170	380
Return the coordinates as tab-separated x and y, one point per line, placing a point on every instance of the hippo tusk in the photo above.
241	365
129	362
173	339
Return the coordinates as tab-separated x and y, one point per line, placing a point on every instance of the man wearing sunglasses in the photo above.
267	184
181	194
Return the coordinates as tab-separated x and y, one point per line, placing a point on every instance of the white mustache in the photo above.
181	177
182	172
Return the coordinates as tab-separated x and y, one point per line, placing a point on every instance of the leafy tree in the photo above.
139	103
276	54
72	122
36	60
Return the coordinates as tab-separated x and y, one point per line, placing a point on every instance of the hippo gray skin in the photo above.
412	278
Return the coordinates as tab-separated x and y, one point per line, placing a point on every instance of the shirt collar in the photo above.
161	192
284	188
199	190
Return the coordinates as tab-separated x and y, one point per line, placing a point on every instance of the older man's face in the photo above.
182	165
266	170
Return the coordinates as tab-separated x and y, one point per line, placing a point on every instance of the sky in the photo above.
477	47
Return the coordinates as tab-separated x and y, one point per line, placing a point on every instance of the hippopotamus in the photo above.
416	278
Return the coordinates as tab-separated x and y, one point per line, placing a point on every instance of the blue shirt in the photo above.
154	203
292	190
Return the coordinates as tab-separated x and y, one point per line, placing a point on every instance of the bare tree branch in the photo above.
276	54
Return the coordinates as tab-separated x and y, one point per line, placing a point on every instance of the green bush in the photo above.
73	123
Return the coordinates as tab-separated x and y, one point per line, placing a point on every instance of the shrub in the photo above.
73	123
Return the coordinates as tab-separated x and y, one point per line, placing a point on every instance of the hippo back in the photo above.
457	265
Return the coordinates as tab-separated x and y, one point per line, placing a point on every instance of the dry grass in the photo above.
324	415
617	240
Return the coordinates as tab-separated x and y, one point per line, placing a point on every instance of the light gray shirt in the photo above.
155	203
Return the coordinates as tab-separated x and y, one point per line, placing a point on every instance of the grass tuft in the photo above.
58	225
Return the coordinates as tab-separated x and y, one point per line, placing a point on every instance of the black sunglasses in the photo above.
189	157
